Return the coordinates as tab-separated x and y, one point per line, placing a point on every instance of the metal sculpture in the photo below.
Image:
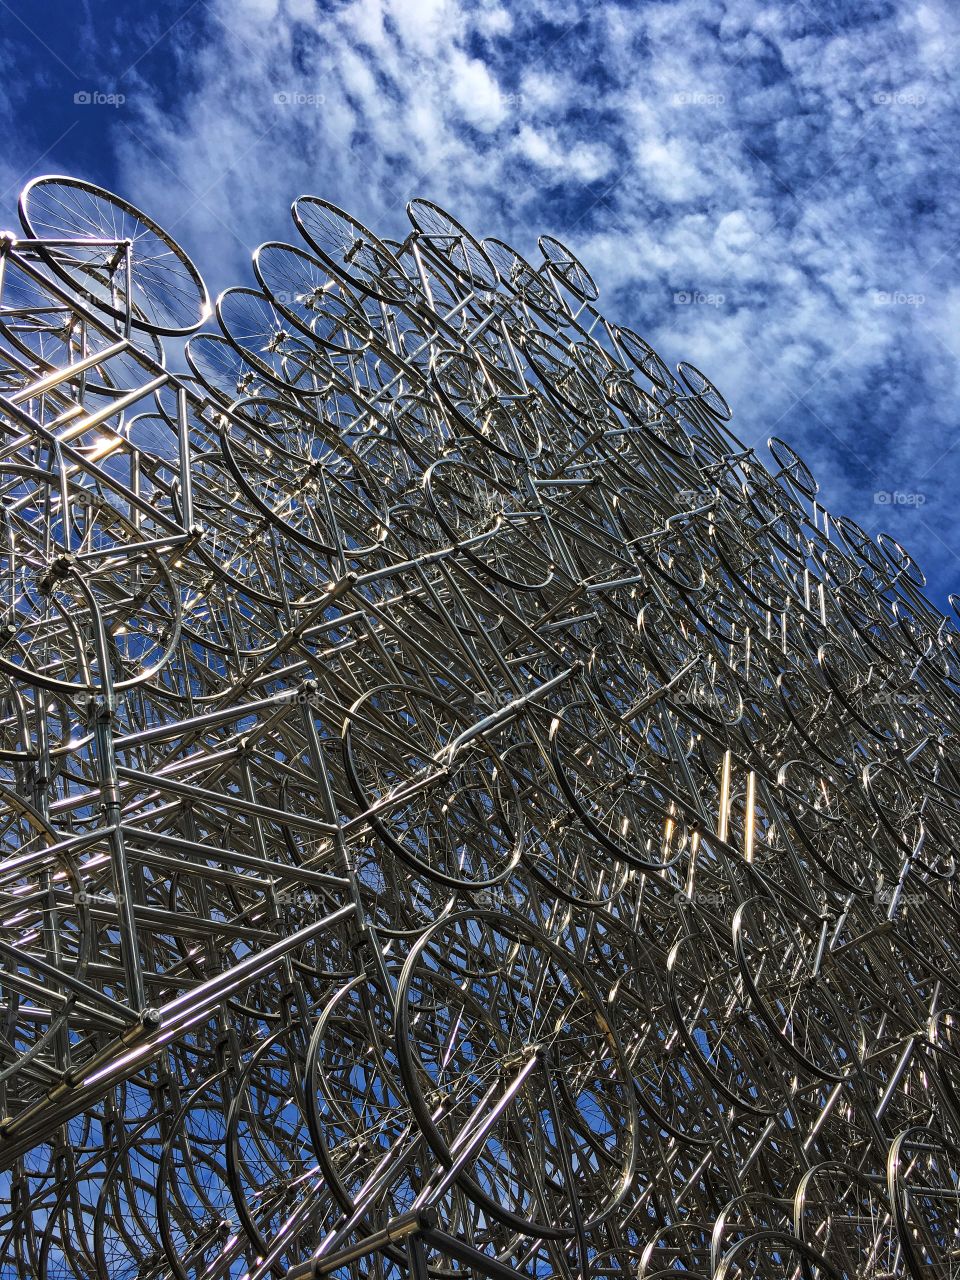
462	814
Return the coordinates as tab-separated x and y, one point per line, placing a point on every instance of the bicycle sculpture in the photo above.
462	814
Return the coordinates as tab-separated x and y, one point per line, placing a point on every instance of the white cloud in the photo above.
475	92
493	21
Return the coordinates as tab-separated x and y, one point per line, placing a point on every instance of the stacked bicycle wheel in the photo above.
461	813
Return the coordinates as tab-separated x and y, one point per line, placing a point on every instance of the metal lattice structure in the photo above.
462	814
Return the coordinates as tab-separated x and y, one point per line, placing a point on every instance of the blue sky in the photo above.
768	190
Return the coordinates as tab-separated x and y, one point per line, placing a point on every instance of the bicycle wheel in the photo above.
793	467
166	292
743	1216
566	858
196	1218
126	1228
619	673
706	393
297	470
713	1014
530	288
447	810
863	547
302	290
267	1150
350	251
671	1088
902	560
566	266
454	245
780	950
221	369
257	331
775	1253
681	1249
610	780
846	1216
923	1180
563	378
487	523
362	1129
640	354
489	1011
100	609
494	415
